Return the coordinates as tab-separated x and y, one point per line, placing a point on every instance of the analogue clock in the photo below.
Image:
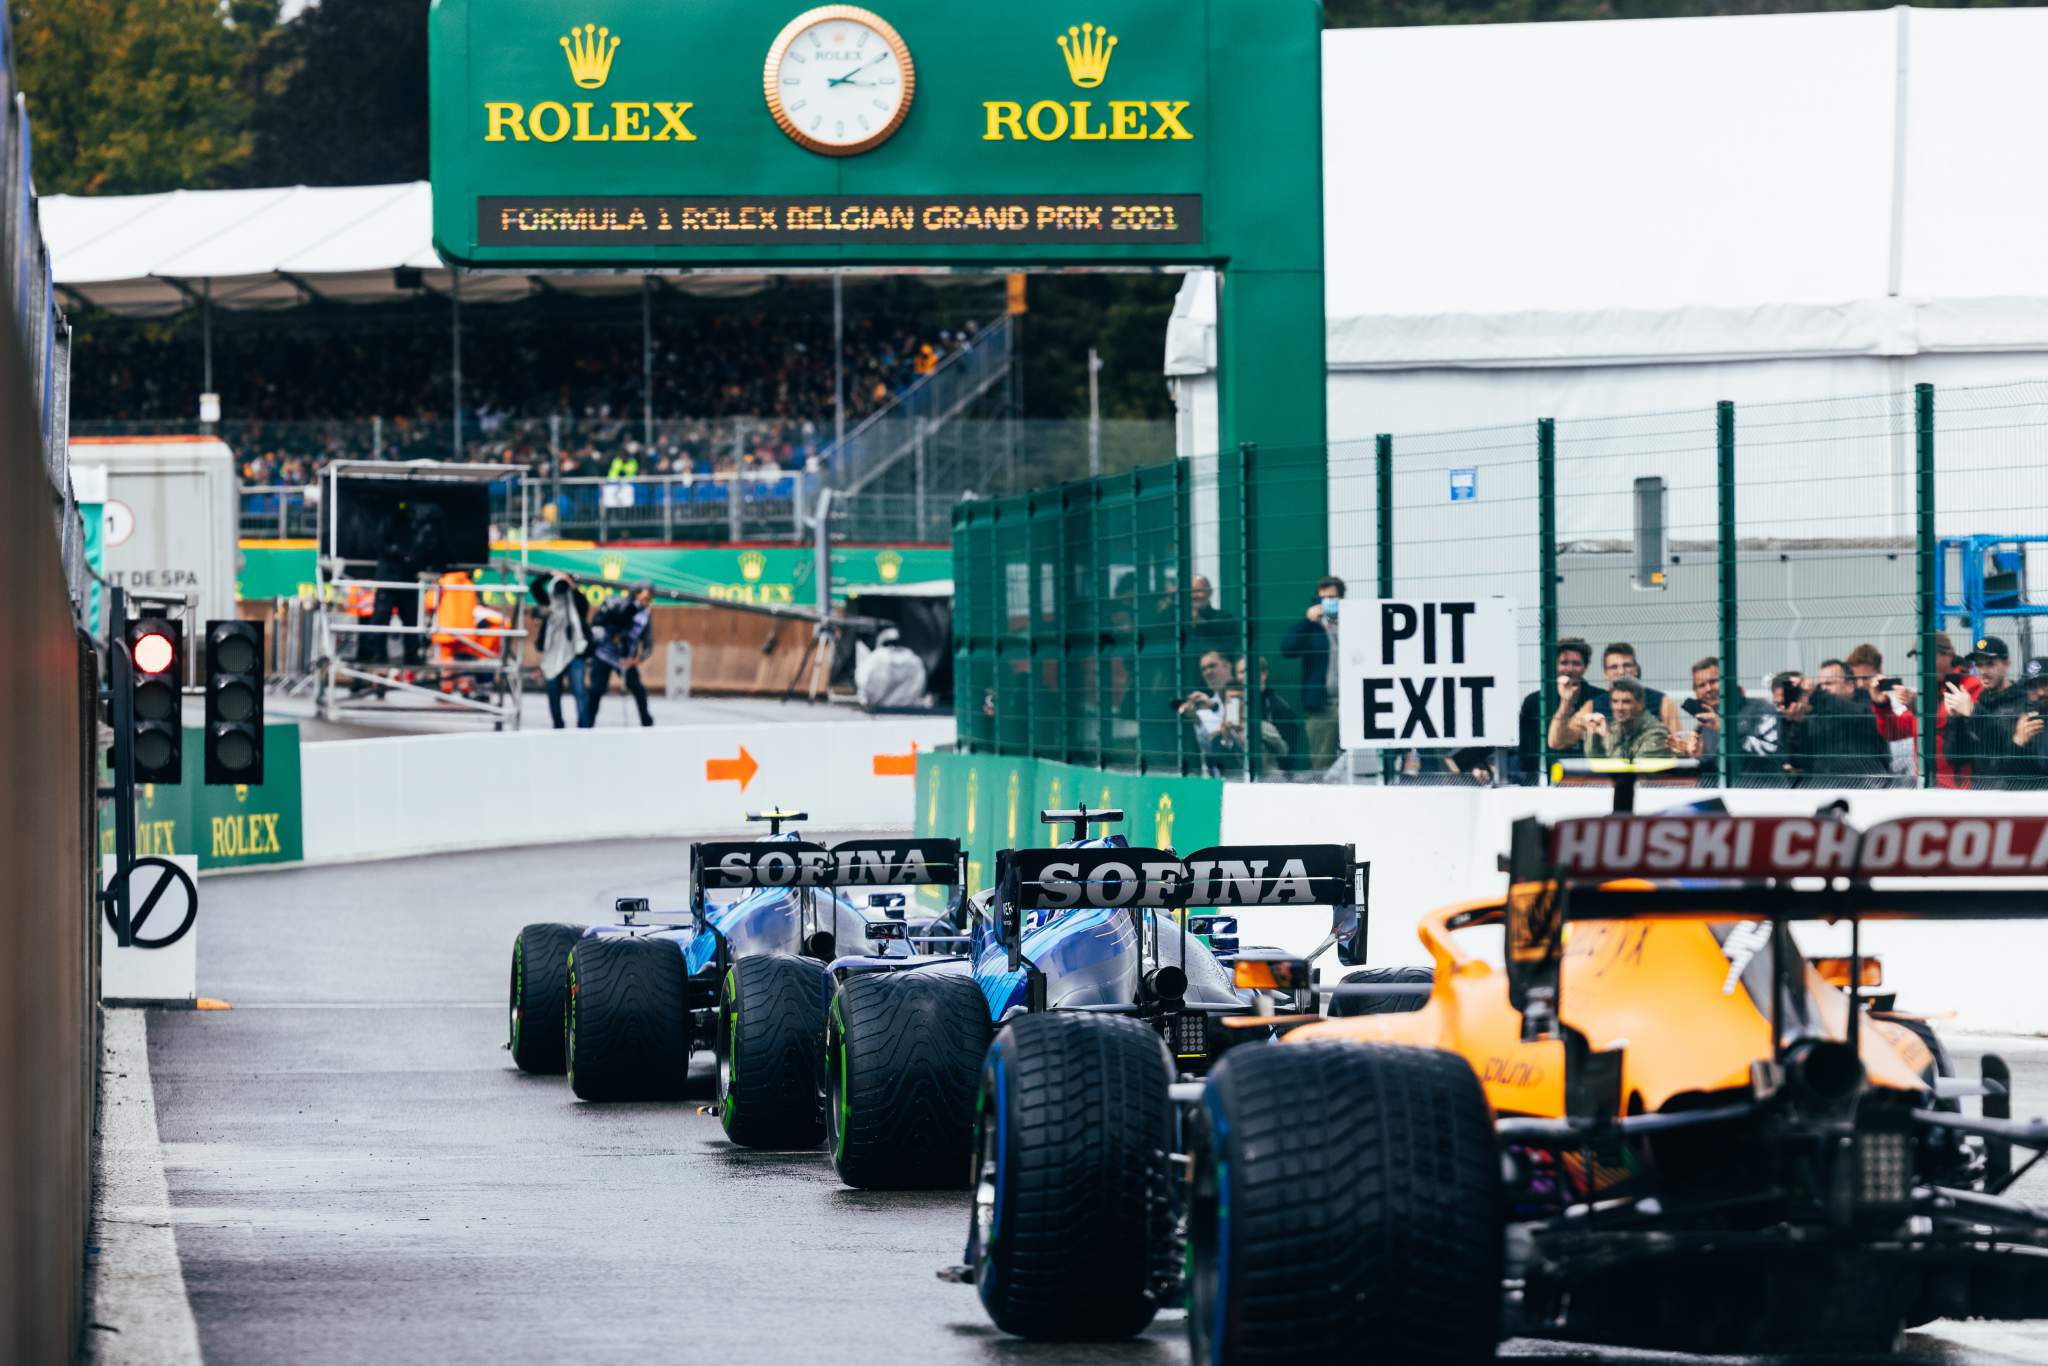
839	80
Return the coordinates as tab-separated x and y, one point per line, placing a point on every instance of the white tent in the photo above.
1578	220
155	254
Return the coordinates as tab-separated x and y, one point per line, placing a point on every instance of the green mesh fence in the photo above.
1774	580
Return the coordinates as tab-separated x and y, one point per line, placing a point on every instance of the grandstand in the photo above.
657	406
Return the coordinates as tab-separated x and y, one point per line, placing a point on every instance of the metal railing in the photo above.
898	430
1785	570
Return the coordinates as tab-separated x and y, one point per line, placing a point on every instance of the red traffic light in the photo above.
154	652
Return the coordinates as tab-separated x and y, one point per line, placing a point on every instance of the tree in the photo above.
341	97
131	96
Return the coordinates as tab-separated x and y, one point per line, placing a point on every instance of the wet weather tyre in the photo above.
771	1030
1346	1204
903	1053
1422	979
629	1019
1072	1226
540	997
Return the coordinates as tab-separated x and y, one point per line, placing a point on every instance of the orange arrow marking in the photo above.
740	770
897	765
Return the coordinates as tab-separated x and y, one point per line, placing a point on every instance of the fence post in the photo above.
1546	597
1383	483
733	512
284	503
667	485
918	469
1925	548
1731	635
377	438
1183	602
1247	453
555	467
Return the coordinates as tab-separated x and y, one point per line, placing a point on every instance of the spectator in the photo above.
1313	641
1951	758
1629	730
1891	706
1990	718
1209	629
564	641
1832	734
1619	661
1277	720
1757	735
2025	763
1577	700
1203	706
623	630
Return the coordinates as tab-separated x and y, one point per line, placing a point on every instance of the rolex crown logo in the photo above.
590	50
613	567
1087	50
890	565
752	562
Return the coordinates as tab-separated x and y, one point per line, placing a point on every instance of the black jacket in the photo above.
1988	733
1839	740
1308	642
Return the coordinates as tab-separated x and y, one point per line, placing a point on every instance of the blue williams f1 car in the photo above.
620	1007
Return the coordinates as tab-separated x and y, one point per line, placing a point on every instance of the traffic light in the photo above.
234	702
157	648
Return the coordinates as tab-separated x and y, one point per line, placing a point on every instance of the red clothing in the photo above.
1945	775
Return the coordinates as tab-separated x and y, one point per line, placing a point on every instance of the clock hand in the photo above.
842	80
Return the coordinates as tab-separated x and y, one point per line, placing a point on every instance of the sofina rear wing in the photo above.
1766	868
737	865
1158	879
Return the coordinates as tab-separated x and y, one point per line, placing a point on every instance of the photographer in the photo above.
564	641
1204	709
624	632
1313	641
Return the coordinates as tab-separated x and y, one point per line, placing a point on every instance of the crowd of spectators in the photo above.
1849	723
754	384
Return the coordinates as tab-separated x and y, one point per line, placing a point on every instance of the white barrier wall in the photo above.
1434	846
404	795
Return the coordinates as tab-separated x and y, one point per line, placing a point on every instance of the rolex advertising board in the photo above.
772	575
927	134
225	826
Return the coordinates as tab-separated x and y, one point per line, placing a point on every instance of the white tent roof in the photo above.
1677	190
277	248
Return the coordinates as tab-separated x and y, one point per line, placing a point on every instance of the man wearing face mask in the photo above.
1313	641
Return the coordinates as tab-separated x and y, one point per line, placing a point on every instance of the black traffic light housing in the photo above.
234	702
156	650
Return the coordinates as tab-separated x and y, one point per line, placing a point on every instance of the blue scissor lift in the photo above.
1991	574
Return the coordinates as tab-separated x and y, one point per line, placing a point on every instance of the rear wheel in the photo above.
1392	1003
771	1027
903	1052
540	997
629	1019
1072	1227
1344	1194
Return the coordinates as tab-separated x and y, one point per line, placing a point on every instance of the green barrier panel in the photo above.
992	802
775	575
227	827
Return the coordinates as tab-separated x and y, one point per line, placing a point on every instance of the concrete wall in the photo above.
48	972
419	794
1431	847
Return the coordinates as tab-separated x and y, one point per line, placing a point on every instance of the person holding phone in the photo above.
1629	730
1577	700
1752	721
1313	641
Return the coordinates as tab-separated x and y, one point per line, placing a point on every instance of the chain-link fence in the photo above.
1770	590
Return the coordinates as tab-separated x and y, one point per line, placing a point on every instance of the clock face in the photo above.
839	80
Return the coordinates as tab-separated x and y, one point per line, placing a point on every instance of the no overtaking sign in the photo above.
1429	673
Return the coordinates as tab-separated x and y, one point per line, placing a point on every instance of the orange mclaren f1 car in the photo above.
1651	1128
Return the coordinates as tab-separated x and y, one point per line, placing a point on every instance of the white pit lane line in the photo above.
141	1315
